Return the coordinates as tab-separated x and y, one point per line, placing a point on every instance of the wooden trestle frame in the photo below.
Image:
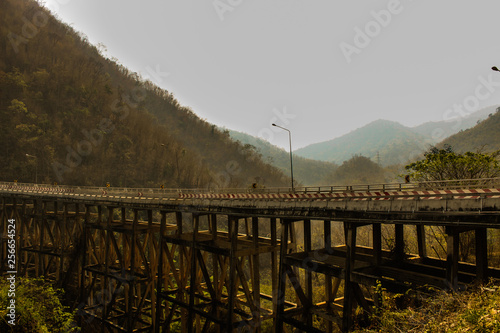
141	268
48	235
135	269
357	269
215	276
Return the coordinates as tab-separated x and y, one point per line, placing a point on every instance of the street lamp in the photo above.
36	166
291	162
494	68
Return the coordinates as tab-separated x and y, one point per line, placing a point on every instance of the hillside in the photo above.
439	130
306	171
484	136
389	142
382	140
71	116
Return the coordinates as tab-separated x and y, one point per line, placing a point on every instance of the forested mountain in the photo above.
306	171
485	136
71	116
439	130
385	142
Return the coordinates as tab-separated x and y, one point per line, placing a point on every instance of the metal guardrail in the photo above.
174	192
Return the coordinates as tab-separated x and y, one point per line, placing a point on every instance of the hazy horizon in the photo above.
320	69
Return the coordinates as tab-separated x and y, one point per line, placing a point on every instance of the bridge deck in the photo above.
147	259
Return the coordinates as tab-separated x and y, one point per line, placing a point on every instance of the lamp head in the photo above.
495	69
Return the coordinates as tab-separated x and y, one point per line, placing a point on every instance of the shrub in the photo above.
38	308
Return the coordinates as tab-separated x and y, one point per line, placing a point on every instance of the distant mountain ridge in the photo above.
387	142
485	136
306	171
440	130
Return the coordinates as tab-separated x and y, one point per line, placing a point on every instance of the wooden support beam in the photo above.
327	227
215	270
107	261
159	281
84	252
452	246
360	298
399	250
295	281
256	274
350	233
421	241
132	267
329	297
329	300
40	219
377	243
282	276
206	275
193	273
308	274
233	222
481	254
274	268
213	226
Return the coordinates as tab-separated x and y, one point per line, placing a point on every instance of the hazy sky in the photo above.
319	68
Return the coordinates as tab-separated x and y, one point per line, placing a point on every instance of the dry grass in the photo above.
474	310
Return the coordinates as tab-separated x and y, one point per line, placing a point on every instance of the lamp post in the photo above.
291	161
36	166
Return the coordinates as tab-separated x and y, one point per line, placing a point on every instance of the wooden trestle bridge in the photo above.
151	260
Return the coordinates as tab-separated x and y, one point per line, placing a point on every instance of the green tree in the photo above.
37	308
445	164
357	170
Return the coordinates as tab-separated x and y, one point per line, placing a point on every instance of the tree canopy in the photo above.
38	308
445	164
357	170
